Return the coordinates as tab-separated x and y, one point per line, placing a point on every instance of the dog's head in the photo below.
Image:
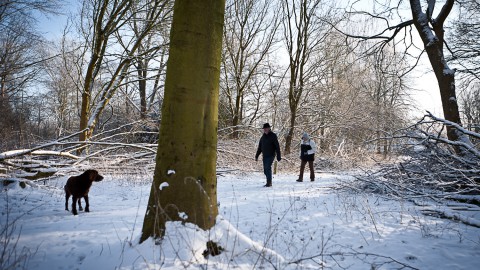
94	176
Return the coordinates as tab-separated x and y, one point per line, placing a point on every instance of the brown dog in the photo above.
78	187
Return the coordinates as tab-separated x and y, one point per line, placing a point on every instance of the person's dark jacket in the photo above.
268	145
304	154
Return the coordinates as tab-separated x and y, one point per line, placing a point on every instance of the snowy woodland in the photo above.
166	100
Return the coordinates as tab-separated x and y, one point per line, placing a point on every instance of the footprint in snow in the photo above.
410	258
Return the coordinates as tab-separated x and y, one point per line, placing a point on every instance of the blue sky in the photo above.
52	25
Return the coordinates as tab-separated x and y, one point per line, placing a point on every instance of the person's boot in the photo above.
299	180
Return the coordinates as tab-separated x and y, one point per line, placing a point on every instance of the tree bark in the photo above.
184	185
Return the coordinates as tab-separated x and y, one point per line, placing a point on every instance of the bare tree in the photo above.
302	31
388	91
331	103
150	58
101	19
249	34
464	46
63	81
353	97
14	10
470	103
430	27
20	62
464	42
103	26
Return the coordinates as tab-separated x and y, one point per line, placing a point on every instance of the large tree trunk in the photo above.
433	40
184	186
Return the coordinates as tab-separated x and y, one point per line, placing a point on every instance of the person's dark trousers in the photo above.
267	168
302	168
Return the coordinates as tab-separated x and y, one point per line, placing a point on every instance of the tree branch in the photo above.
446	9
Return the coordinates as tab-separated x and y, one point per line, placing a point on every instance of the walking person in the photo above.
268	146
307	155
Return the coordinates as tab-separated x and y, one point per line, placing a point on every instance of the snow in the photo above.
292	225
54	153
24	174
163	185
183	215
449	72
47	170
13	153
8	154
170	172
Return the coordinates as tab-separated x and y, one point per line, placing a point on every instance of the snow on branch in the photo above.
429	170
17	153
464	141
457	126
118	149
53	153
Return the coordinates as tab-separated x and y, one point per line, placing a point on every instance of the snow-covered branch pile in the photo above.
430	166
432	173
128	147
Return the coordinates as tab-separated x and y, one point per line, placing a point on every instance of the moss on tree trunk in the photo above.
185	184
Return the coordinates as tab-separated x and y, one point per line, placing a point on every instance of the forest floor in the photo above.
309	225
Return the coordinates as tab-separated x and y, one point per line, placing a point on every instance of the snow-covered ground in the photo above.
290	226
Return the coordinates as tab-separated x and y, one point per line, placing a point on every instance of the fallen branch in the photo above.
17	153
389	260
449	214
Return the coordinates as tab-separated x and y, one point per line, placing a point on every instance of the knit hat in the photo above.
266	125
305	136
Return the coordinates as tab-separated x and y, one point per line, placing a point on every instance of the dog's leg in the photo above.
80	208
74	205
67	195
87	204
